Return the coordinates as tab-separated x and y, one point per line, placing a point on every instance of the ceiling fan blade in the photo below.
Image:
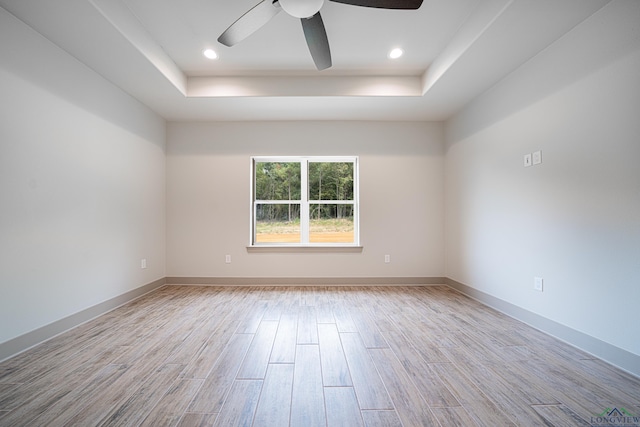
384	4
250	22
316	37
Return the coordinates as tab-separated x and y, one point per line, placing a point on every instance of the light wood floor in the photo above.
308	356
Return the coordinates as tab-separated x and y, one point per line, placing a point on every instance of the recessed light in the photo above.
396	53
210	53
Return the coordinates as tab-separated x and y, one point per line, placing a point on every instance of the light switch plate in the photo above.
527	160
538	283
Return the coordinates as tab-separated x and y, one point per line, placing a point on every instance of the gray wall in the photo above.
82	189
401	197
573	220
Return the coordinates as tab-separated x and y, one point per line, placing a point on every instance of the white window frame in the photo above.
304	201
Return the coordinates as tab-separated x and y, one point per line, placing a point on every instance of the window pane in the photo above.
278	223
277	181
330	181
331	223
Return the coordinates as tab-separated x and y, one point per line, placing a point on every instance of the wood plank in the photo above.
380	316
335	371
7	393
32	400
342	407
615	379
307	326
559	415
99	403
197	420
284	345
39	365
274	307
211	396
453	417
593	381
520	382
324	306
68	349
307	296
240	407
381	419
171	407
427	339
158	344
274	406
432	389
257	357
201	365
343	319
307	403
251	319
66	407
511	396
371	336
370	389
481	409
134	409
575	390
324	314
483	349
409	404
200	332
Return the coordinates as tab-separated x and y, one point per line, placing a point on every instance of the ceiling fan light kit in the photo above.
308	11
301	8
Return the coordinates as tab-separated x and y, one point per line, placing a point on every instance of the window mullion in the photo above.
304	202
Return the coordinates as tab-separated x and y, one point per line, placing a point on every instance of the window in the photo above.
304	201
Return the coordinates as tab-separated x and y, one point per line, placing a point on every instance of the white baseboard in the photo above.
306	281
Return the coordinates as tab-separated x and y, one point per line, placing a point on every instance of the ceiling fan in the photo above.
309	13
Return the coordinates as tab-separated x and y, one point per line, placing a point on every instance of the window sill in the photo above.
303	249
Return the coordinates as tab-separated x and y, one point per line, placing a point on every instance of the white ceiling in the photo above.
454	51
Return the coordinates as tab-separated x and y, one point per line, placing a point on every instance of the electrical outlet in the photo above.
387	259
537	157
227	259
527	160
143	263
538	284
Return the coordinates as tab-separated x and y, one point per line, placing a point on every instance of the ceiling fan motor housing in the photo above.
301	8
